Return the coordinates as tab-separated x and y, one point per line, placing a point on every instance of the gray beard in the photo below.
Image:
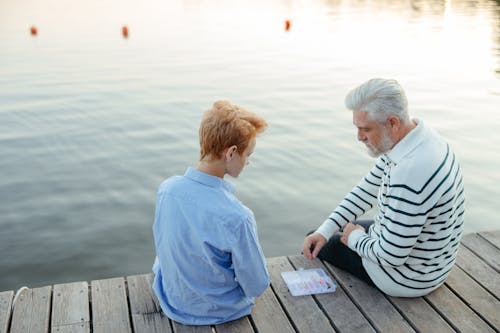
386	144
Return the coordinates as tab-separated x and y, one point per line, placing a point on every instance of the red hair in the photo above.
226	125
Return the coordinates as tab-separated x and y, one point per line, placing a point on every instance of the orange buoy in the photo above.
287	25
33	30
125	31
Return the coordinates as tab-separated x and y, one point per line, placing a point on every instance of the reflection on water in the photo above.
496	34
91	123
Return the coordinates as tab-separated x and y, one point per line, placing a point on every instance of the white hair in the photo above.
380	98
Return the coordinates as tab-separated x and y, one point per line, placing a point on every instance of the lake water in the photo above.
91	122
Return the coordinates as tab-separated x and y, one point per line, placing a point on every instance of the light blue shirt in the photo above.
209	265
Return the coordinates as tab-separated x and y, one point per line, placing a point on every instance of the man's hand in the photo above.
348	228
312	245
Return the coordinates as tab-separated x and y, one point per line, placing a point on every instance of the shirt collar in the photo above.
408	143
209	180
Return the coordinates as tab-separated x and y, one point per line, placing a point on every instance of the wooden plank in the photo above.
423	317
109	306
268	316
5	309
303	310
479	270
372	303
179	328
31	311
492	236
339	308
145	309
484	250
475	296
70	308
241	325
458	315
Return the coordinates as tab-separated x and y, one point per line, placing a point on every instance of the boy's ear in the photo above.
229	152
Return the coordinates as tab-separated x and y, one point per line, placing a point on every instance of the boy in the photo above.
209	265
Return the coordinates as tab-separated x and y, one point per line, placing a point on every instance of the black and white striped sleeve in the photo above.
357	202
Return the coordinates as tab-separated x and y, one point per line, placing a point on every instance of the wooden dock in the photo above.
467	302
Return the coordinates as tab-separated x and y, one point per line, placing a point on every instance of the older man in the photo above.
410	247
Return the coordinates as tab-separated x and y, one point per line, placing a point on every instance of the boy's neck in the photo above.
215	168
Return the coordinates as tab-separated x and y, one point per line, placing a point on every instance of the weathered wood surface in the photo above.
70	308
303	310
110	312
31	311
269	316
5	309
144	308
469	301
483	249
492	236
372	303
341	310
479	270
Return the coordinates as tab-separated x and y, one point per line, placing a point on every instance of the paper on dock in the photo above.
308	282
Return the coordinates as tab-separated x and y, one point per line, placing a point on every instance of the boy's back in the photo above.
209	263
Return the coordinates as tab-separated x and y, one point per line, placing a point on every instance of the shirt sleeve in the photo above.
248	260
355	203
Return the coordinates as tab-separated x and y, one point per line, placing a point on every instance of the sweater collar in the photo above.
408	143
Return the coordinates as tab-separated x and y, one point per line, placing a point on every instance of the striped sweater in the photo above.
411	247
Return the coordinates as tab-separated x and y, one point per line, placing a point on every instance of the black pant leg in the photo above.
341	256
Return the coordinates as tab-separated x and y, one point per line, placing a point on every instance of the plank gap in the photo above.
9	311
51	300
335	328
318	303
482	257
252	323
351	297
171	323
479	270
477	281
441	314
461	298
302	309
285	310
131	320
401	313
487	240
91	326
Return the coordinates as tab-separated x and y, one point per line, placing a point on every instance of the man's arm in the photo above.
401	225
355	203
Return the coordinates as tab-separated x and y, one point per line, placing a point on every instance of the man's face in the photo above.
372	133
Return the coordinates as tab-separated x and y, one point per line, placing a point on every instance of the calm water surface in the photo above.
91	123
